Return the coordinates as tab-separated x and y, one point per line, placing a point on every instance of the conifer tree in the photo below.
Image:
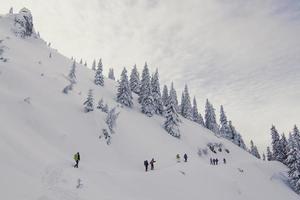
124	95
111	74
171	124
135	83
111	119
186	106
253	150
276	146
145	95
225	130
293	163
210	118
165	95
174	94
85	64
157	100
99	78
11	10
264	157
94	65
89	103
296	137
269	154
72	73
284	148
196	115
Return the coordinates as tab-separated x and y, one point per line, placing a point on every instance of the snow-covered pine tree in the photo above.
264	157
186	106
225	130
157	100
124	95
100	104
195	114
135	83
111	119
284	147
80	61
99	78
296	136
210	118
276	145
171	124
238	140
174	94
89	103
145	95
269	154
85	64
11	10
72	73
253	150
293	163
165	95
111	74
94	65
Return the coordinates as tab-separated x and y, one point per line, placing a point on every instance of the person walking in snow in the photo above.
146	164
224	160
152	163
77	159
185	157
178	158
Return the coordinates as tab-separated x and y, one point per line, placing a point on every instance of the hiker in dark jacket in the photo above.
224	160
77	159
152	163
185	157
146	164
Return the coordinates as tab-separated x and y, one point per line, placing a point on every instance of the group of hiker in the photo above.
215	161
146	164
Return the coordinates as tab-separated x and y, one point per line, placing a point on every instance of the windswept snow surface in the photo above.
42	128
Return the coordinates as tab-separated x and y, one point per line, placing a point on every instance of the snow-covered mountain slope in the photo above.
41	129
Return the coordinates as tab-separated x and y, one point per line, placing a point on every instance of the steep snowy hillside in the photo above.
41	129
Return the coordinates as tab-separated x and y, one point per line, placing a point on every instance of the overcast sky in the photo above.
244	54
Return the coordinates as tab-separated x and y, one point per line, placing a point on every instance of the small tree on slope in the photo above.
165	95
155	86
99	78
111	74
195	114
145	96
89	103
94	65
210	118
293	162
111	119
171	124
72	74
186	107
276	145
269	154
253	150
174	94
124	95
135	83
